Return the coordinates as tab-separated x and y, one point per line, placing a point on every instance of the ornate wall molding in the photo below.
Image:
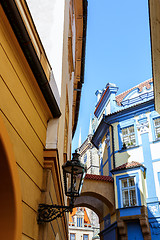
143	124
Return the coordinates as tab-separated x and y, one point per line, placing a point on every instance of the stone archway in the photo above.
98	195
97	191
10	199
87	201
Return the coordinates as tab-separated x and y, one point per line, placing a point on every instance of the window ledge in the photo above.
135	206
128	148
157	140
130	211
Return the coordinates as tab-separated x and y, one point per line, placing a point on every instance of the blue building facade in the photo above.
128	136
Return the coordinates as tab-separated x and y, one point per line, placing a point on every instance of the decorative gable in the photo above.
137	94
106	100
109	103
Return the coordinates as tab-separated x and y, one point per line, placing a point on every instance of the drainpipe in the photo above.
112	141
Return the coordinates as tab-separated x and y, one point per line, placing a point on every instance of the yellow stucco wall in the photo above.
105	157
105	150
25	114
66	99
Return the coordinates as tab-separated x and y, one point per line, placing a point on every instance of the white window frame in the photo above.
74	236
128	188
85	235
156	127
128	135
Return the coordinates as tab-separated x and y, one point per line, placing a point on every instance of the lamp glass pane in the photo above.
68	183
77	181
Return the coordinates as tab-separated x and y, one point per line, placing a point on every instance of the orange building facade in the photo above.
80	226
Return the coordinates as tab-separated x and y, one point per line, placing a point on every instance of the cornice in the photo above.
80	11
118	116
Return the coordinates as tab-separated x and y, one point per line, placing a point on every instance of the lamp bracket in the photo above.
47	213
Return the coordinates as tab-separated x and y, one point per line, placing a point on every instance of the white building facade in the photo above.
80	227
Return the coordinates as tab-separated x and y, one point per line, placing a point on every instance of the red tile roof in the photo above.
140	86
128	165
99	177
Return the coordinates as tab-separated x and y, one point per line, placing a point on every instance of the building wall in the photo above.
91	157
25	115
145	152
80	232
154	10
80	227
52	36
66	100
138	159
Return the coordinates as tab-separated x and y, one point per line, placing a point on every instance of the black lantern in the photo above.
73	176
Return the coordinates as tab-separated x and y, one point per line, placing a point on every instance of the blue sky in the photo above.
117	51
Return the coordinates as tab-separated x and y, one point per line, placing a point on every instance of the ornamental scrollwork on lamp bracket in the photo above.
47	213
75	171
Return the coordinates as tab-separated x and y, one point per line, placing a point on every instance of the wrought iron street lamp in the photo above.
73	176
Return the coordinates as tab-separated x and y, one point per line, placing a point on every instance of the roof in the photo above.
72	214
124	114
140	86
128	165
129	108
101	99
86	218
99	177
25	41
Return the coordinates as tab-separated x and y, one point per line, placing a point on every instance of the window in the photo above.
85	158
157	127
85	237
72	236
128	192
128	137
79	222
